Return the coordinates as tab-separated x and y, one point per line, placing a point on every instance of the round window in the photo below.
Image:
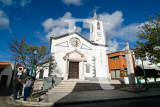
75	42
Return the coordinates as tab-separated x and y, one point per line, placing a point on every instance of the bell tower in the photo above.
96	31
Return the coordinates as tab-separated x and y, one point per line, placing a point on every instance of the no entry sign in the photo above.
20	69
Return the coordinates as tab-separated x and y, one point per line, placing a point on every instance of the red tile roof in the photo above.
4	64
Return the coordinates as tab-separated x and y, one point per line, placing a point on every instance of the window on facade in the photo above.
123	56
87	68
41	74
115	74
125	72
91	28
114	58
98	26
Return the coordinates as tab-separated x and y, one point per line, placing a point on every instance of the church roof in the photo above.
68	34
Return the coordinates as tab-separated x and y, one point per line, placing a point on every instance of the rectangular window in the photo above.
123	56
115	74
118	74
87	68
114	58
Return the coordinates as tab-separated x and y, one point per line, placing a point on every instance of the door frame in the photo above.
69	69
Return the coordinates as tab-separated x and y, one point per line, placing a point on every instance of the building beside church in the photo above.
117	64
75	57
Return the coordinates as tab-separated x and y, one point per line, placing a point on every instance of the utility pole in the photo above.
14	75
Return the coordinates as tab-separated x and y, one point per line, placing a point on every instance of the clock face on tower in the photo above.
99	34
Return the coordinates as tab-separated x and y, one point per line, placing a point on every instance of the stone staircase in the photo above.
38	84
68	86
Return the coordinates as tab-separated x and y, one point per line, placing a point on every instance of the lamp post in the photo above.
34	53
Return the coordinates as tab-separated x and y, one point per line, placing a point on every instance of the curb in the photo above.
25	103
102	100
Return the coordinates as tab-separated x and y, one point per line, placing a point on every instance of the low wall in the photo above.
50	81
149	80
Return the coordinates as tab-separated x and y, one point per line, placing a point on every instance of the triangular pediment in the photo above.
73	55
68	34
63	44
85	47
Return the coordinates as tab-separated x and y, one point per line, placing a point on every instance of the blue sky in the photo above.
39	19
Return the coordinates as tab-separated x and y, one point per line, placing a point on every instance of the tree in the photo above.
149	40
24	52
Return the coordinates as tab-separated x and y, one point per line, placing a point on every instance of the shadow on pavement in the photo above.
5	91
74	96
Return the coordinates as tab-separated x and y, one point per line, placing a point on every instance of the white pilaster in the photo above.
66	70
130	67
82	68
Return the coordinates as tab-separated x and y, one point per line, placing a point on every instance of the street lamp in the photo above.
34	53
144	76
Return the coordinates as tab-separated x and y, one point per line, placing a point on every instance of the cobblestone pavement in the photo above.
5	98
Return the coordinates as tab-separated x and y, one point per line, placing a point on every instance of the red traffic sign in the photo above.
20	69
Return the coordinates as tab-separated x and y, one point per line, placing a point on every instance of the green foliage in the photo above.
23	52
149	40
34	96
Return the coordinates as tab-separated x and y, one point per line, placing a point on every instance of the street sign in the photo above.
19	73
20	69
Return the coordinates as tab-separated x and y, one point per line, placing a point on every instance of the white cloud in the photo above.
113	45
21	3
59	26
50	23
74	2
128	33
7	2
113	27
4	21
111	22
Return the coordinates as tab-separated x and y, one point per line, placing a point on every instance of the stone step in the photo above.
98	82
38	84
78	85
81	85
67	83
76	88
74	80
70	90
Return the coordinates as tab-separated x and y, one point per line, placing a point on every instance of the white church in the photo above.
75	57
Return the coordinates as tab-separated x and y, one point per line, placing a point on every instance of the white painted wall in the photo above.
100	39
44	67
8	71
147	64
98	52
149	80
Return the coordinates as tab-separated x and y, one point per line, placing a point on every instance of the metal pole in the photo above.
145	76
32	66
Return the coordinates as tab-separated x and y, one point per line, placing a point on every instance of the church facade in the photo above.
75	57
